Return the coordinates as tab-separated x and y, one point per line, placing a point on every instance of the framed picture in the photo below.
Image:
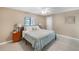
70	20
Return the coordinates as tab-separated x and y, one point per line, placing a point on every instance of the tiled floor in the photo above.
61	44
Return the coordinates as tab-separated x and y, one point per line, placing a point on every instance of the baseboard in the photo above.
2	43
65	36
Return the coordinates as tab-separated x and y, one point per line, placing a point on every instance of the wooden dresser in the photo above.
16	36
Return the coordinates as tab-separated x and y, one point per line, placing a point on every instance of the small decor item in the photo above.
70	20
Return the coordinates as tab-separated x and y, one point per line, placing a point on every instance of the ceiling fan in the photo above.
45	10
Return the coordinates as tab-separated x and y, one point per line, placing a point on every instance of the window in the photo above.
27	21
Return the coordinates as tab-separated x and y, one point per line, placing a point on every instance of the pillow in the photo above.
38	27
28	28
35	28
31	28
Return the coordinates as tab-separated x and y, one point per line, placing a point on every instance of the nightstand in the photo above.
16	36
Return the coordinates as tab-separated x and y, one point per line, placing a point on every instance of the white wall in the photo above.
9	17
67	29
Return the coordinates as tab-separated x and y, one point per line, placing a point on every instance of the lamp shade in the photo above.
19	25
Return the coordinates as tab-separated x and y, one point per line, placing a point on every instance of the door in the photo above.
49	21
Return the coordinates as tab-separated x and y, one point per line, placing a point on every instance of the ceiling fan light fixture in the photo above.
45	11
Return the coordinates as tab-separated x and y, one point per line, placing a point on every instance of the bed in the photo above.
38	37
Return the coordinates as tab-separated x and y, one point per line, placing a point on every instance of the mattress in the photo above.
39	38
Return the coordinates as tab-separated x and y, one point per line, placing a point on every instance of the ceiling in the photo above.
50	10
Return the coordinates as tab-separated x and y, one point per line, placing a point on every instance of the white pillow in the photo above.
28	28
31	28
35	27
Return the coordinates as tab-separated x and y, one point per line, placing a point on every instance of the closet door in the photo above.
49	21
